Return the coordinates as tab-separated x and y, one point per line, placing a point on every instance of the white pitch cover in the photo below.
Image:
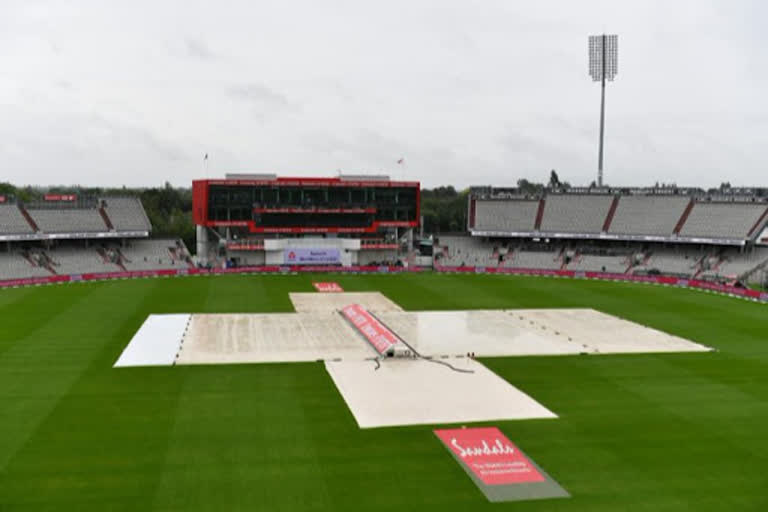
156	343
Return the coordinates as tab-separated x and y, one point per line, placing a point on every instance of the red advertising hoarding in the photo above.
331	287
499	468
492	457
60	197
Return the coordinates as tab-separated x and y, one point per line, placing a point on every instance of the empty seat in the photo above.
734	263
465	250
126	214
505	215
575	213
648	215
12	222
588	262
72	260
675	263
153	255
68	221
722	220
13	265
534	260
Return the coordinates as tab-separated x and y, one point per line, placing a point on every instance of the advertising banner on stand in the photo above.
321	256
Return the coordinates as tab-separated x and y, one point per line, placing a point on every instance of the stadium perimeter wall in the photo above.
745	293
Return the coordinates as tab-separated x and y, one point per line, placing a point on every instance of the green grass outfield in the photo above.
635	433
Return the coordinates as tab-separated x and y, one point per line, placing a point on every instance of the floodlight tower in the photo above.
603	65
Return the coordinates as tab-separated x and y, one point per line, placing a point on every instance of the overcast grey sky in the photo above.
472	92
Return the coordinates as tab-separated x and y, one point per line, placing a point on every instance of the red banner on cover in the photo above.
490	456
381	338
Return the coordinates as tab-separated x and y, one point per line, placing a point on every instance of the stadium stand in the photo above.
732	264
15	264
648	215
505	215
614	264
81	235
705	262
722	220
534	259
463	250
620	215
12	221
68	220
376	257
674	262
578	232
575	213
126	214
72	260
77	259
111	215
154	254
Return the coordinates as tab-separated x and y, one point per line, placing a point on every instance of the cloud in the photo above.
257	94
466	93
66	148
64	84
198	49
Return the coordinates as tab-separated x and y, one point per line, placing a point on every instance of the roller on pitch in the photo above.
379	337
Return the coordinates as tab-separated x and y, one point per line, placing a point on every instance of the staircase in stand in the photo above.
630	263
29	218
122	259
683	217
106	218
758	224
103	255
105	259
611	213
48	263
564	263
29	259
540	214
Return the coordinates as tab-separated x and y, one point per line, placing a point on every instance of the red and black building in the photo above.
306	205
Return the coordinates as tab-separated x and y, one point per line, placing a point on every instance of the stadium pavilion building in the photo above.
249	219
